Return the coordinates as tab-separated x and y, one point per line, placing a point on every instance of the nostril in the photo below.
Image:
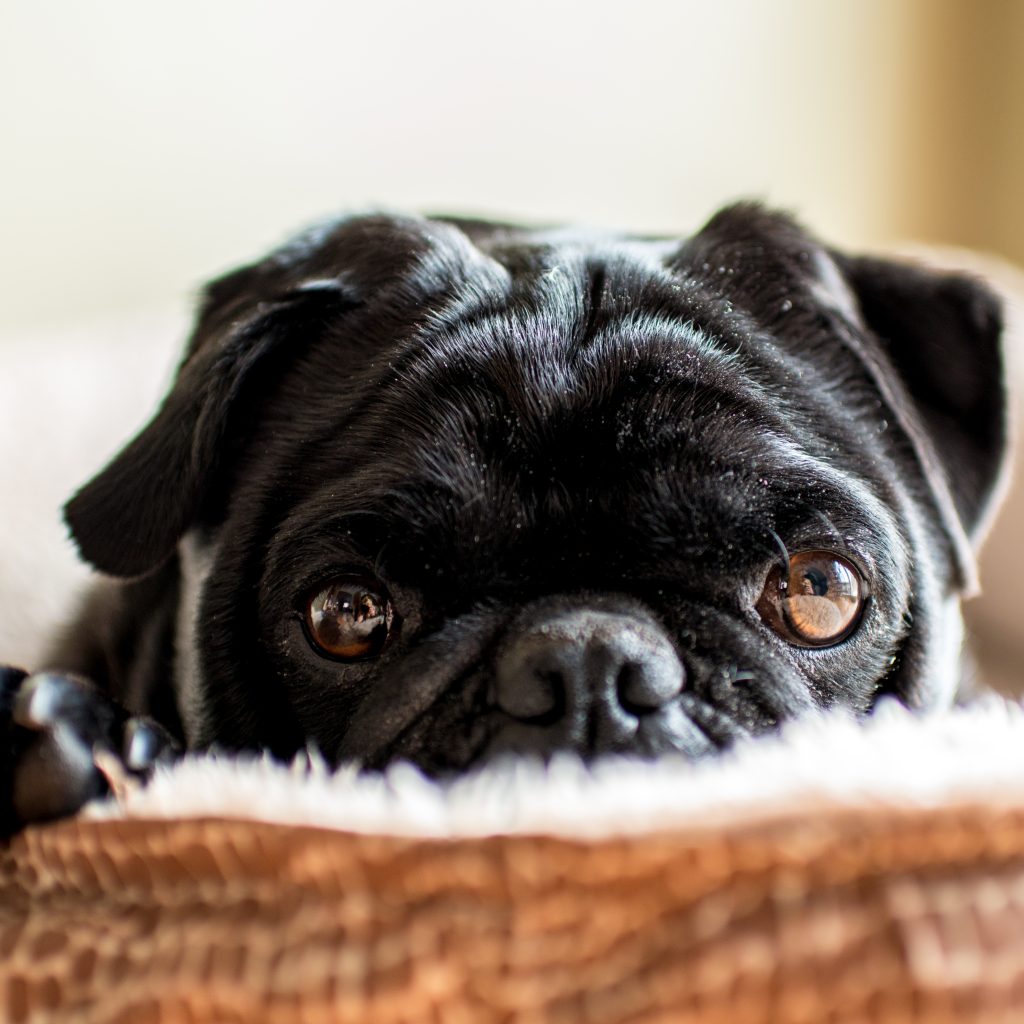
632	693
531	694
645	686
545	703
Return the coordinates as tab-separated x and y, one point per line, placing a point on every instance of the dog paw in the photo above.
63	742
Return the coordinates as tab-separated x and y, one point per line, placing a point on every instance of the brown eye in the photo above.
816	603
350	618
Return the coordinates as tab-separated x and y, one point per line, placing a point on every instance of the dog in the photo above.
440	490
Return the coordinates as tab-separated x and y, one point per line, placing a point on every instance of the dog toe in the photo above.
54	776
146	744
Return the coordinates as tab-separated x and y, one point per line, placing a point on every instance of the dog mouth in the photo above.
444	743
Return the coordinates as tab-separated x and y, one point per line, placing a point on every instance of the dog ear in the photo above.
128	519
942	332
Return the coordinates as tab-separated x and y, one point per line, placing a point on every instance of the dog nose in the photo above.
598	673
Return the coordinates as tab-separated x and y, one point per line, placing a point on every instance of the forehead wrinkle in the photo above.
531	366
532	342
486	409
531	350
460	279
666	351
543	282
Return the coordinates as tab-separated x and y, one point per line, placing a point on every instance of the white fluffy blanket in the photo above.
894	760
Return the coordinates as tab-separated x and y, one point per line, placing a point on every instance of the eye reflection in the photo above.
349	619
817	603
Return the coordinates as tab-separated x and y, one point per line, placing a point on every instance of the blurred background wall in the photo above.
145	147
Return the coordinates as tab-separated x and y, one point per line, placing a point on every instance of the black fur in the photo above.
518	429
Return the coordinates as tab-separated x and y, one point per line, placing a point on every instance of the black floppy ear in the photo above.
942	333
128	519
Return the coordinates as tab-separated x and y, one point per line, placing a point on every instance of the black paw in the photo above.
64	742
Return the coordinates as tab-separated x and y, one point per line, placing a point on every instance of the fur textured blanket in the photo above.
841	872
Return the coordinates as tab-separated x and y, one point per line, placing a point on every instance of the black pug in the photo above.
438	490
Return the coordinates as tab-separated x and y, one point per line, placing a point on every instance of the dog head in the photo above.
441	490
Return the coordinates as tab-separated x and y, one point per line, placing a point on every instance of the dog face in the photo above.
440	491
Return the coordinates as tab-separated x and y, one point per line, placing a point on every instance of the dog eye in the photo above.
817	602
350	618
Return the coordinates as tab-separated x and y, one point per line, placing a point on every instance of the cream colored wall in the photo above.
147	146
964	182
